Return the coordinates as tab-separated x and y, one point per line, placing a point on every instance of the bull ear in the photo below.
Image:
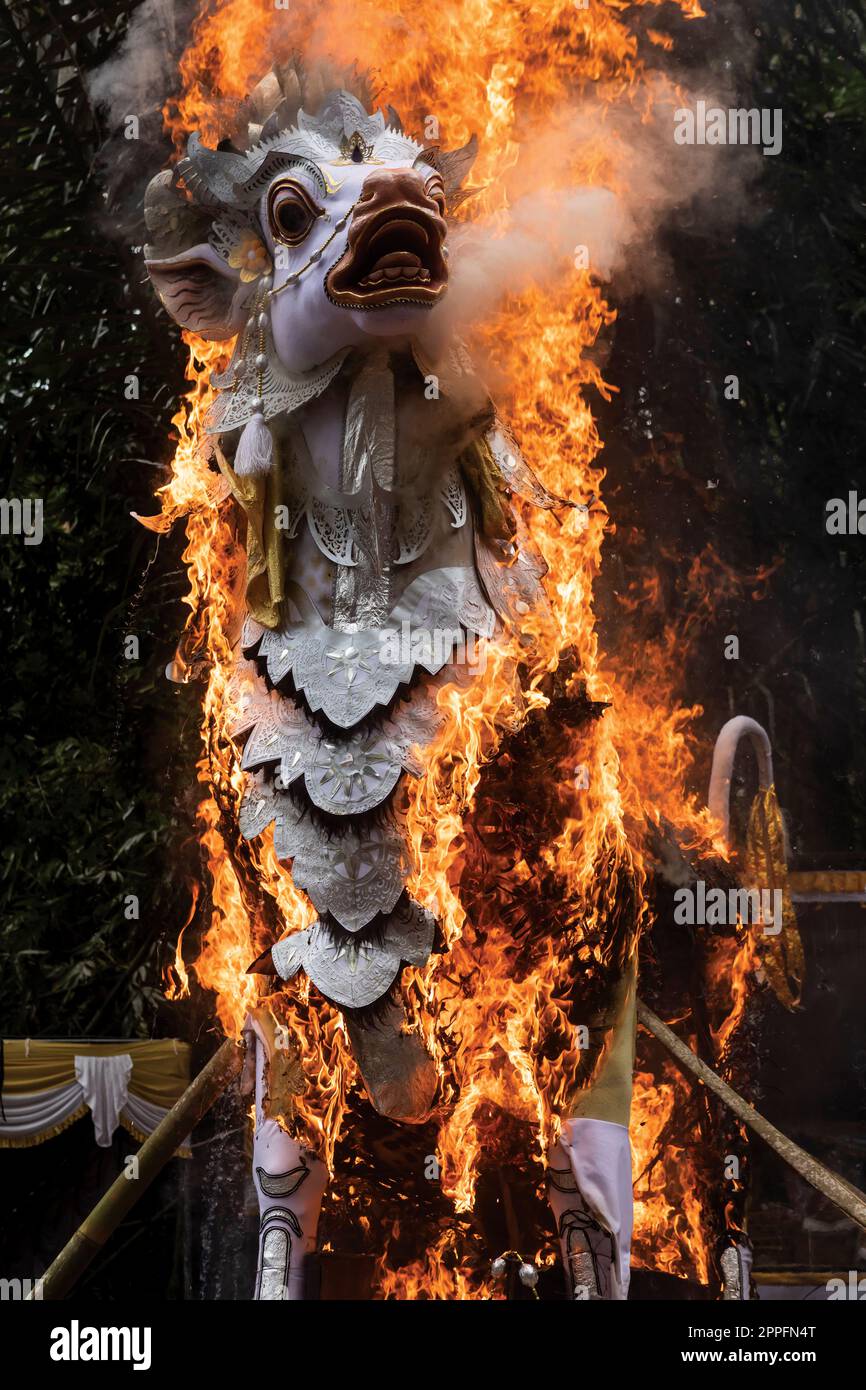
199	291
196	286
453	165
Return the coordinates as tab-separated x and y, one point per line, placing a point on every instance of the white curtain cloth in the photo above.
40	1112
104	1083
142	1115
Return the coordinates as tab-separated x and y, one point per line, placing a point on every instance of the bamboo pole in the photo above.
152	1157
847	1198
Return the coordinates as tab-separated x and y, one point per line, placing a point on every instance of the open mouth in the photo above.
394	257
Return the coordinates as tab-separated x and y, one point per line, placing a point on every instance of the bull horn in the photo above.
724	753
265	97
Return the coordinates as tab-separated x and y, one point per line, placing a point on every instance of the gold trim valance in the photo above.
47	1086
160	1068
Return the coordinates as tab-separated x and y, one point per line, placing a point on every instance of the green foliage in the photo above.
89	738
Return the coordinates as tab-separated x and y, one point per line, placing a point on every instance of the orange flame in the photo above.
668	1215
176	976
438	1275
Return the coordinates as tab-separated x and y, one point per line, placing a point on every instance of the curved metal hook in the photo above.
724	754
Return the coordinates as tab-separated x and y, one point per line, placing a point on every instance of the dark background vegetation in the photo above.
96	777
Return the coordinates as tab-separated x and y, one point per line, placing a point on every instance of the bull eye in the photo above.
291	212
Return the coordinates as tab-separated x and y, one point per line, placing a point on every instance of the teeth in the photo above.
404	267
407	273
391	258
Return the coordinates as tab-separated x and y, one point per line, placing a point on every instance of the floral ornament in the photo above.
250	257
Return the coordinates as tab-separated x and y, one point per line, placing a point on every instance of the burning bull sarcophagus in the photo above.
384	550
416	734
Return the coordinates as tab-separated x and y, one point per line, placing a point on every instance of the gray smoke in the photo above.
142	73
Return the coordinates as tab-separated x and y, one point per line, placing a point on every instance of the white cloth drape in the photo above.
42	1111
104	1083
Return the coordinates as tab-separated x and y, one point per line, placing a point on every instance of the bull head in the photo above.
336	224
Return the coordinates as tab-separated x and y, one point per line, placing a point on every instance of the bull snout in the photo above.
396	240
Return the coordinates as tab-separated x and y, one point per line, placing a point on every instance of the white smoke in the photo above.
613	231
142	73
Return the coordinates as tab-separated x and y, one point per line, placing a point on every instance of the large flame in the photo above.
507	73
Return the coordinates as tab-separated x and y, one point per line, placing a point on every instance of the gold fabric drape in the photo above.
259	499
160	1069
781	955
830	881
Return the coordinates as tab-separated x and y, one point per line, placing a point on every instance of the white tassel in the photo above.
255	452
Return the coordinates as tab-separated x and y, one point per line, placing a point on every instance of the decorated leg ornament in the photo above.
587	1248
736	1266
589	1167
589	1172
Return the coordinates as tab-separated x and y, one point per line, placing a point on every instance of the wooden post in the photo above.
152	1157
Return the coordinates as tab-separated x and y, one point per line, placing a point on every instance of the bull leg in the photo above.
290	1183
736	1265
589	1166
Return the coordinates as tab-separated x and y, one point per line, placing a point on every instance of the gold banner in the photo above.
766	868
